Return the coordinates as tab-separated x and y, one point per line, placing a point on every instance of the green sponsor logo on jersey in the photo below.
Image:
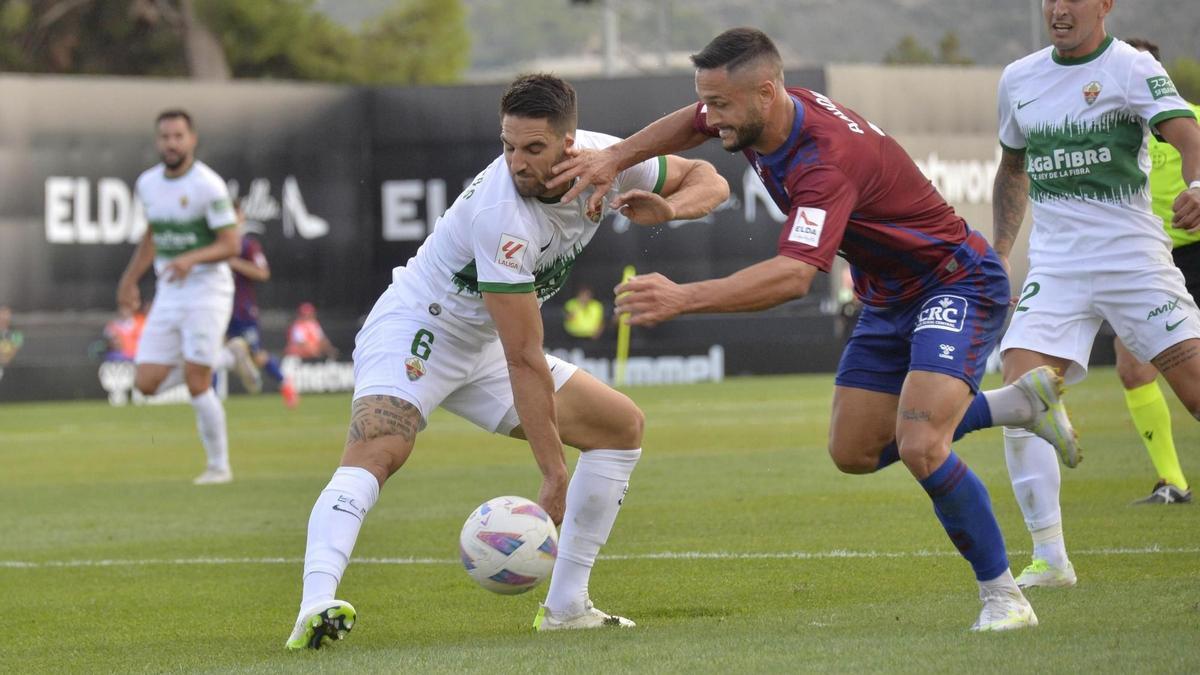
547	280
172	237
1095	159
1160	86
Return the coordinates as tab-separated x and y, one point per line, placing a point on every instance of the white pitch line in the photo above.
666	555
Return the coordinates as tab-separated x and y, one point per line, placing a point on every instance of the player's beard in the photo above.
180	159
747	134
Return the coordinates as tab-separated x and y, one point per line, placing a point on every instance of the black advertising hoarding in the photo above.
341	184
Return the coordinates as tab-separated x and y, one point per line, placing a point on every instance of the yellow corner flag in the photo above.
622	337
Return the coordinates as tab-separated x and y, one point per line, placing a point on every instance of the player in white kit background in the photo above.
192	230
1073	123
460	327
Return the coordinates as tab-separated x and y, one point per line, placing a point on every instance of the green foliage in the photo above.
416	41
909	51
1185	73
950	51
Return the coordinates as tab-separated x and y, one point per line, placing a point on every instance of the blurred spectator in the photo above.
305	337
123	332
10	340
584	315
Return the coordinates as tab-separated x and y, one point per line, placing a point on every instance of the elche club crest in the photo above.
1091	91
414	368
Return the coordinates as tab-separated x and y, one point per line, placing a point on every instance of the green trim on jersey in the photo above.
1166	115
173	237
1094	159
662	175
489	287
1075	61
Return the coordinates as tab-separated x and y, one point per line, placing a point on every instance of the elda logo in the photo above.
1091	91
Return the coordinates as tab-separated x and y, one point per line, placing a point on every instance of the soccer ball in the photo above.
508	545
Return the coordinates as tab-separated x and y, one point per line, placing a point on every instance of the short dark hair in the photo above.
541	96
174	113
1146	46
738	47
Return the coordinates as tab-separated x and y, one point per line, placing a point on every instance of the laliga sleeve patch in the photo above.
943	312
806	228
511	251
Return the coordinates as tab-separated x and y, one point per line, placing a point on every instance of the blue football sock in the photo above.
962	505
978	416
272	369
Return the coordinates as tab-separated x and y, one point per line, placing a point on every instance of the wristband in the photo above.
1194	185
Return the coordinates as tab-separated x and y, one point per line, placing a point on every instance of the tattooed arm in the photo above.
1010	192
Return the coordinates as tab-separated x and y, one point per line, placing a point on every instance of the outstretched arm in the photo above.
671	133
1010	193
652	299
693	189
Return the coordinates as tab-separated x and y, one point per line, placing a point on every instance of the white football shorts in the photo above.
1059	314
410	354
177	332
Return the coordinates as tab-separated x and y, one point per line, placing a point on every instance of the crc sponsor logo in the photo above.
511	251
76	211
946	351
1091	91
806	228
943	312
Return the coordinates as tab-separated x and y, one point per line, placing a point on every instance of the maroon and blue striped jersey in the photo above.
849	189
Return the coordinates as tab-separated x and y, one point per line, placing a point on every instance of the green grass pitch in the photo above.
740	548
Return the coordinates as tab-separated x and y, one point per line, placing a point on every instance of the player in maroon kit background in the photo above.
250	267
935	294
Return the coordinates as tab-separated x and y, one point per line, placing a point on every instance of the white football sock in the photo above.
1004	582
225	359
1010	407
593	499
1033	469
333	528
210	422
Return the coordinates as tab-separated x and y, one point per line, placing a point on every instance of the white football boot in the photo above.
590	617
1004	611
321	624
1043	574
1044	387
213	477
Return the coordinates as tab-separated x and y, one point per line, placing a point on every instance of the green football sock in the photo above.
1153	421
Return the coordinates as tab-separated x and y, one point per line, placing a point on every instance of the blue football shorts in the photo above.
949	329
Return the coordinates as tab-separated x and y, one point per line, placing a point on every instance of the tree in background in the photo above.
416	41
1185	73
909	51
